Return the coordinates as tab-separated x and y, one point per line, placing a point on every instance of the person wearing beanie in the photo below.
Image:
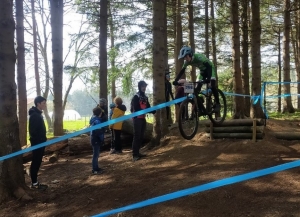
139	102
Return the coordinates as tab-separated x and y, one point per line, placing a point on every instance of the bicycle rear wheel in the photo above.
217	118
188	119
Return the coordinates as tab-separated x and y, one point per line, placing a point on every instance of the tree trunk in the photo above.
237	129
235	135
287	135
287	101
191	34
11	170
206	36
237	84
296	46
256	110
103	50
160	63
279	72
213	38
239	122
245	55
21	75
178	46
113	58
56	9
35	53
48	150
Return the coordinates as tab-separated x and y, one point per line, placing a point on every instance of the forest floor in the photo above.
175	165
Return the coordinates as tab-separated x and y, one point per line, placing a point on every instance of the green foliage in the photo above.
285	116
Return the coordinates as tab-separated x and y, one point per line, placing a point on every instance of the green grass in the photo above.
285	116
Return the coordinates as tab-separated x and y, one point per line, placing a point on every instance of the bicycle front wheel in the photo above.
188	119
218	117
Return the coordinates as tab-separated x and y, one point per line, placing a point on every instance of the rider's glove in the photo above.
175	83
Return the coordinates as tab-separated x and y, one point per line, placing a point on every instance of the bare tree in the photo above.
35	49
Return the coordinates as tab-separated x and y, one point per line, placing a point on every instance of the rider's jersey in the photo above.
199	61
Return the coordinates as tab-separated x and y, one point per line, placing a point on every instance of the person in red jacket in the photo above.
139	102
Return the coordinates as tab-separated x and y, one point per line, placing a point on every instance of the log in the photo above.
287	135
237	122
240	129
127	128
48	150
235	135
54	157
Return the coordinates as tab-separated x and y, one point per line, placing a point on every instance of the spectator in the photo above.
118	111
37	135
97	138
139	102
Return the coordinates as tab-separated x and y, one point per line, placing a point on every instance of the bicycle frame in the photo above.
196	93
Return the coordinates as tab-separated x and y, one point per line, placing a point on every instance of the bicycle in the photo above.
193	107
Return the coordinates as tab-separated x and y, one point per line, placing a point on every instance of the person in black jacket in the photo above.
139	102
168	93
37	133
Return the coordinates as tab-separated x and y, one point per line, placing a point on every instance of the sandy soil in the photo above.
177	164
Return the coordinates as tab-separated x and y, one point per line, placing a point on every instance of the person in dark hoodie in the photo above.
118	111
139	102
37	135
97	138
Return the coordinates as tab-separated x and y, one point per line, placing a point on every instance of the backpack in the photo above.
131	103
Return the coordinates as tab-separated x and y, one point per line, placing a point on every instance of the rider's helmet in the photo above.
102	102
185	50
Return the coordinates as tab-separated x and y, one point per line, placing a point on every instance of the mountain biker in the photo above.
207	71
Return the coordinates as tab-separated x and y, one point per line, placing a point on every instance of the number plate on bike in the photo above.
188	87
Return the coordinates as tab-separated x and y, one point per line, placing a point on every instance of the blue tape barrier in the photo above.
255	99
204	187
113	121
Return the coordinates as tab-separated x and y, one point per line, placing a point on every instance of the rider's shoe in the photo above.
200	113
217	107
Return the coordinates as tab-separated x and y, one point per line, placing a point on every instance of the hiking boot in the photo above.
136	158
97	172
113	151
39	186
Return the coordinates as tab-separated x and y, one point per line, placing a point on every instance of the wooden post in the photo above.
211	130
254	131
